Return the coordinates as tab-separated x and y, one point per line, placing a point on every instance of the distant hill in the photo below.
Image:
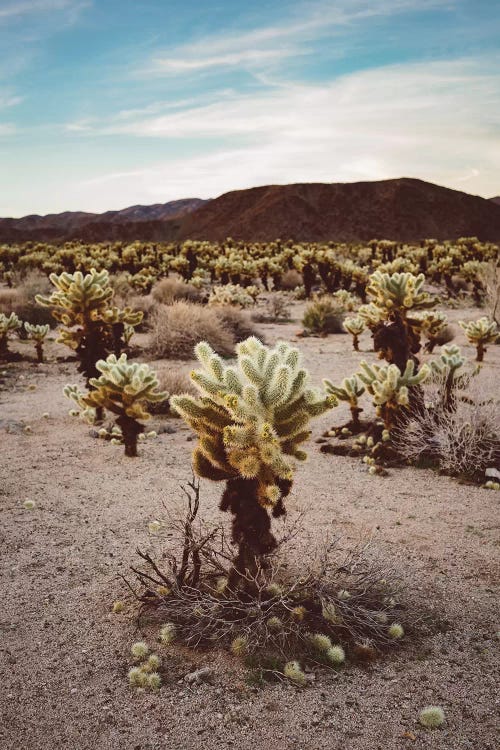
496	199
402	209
129	223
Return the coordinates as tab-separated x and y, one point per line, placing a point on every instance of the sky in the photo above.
110	103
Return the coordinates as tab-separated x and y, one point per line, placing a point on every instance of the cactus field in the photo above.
249	495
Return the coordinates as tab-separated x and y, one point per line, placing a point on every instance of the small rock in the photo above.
204	674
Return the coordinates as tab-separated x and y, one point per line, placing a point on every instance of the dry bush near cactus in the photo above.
237	322
177	328
170	290
324	315
463	441
174	382
20	301
275	310
346	596
490	277
290	280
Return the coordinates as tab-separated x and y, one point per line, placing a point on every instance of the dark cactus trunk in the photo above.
39	351
251	530
131	429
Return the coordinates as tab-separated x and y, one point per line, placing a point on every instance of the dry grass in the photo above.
324	315
276	310
177	328
170	290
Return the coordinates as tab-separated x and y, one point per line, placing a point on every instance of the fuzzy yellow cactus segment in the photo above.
239	646
8	323
479	333
398	291
389	386
335	655
294	673
320	641
431	717
251	416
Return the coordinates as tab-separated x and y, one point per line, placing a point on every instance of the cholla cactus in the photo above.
398	292
92	326
123	389
390	388
430	324
233	295
371	315
349	390
7	325
250	419
38	334
446	367
479	333
355	326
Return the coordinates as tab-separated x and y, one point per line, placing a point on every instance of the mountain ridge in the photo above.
403	209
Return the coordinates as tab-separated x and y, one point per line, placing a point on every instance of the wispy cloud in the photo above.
260	46
20	9
439	121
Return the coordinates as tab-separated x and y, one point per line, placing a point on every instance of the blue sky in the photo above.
109	103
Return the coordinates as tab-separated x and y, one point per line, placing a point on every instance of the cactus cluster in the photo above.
124	389
389	387
479	333
92	326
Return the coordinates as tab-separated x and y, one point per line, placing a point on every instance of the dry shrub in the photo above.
277	309
290	280
322	316
173	382
347	595
177	328
237	322
170	290
21	301
464	441
490	278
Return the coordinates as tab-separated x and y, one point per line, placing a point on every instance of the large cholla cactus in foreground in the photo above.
430	324
92	326
38	334
479	333
251	419
123	388
7	325
390	387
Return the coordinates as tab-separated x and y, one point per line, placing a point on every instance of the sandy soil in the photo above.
64	656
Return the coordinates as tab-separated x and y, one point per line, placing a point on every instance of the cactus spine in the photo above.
251	418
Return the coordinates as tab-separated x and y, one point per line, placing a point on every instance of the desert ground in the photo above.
65	655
